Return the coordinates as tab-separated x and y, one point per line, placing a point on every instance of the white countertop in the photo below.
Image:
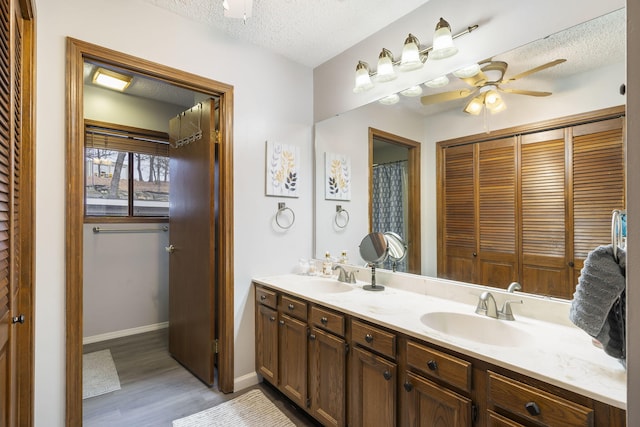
554	352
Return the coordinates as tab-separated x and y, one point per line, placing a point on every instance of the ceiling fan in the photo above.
486	80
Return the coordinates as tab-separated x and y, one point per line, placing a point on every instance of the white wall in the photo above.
126	280
272	104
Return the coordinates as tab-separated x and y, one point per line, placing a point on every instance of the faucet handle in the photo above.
506	313
482	306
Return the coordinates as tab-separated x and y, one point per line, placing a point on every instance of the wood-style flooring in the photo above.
155	389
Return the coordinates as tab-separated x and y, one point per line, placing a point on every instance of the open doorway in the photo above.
394	191
78	53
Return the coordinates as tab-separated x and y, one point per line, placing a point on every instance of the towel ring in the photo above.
341	213
282	207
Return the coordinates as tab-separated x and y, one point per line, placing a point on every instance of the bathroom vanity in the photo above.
418	354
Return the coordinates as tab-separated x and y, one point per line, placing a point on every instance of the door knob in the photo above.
171	249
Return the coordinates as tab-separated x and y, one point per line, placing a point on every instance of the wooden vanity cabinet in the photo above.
267	335
327	367
433	388
372	377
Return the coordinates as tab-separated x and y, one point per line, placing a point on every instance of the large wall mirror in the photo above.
588	81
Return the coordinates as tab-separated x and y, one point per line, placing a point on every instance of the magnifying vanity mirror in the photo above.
588	81
374	250
397	248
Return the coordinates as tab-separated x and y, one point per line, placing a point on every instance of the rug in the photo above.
99	375
251	409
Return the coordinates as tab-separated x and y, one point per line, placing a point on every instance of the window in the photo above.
126	171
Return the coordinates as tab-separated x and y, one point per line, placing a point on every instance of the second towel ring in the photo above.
341	213
282	207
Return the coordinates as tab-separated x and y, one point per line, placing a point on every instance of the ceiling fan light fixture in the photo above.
411	58
437	82
443	46
412	91
467	71
363	79
385	71
389	100
474	106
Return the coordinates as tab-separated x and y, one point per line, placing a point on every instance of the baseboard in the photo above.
124	333
245	381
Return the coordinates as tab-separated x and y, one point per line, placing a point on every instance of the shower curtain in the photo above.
389	202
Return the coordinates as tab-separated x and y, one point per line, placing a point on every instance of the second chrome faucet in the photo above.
487	306
343	275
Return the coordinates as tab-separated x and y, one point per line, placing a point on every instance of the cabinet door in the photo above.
457	257
435	406
373	390
293	359
545	224
598	185
327	372
497	210
267	343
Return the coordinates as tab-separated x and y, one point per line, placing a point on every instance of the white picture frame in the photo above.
337	172
282	170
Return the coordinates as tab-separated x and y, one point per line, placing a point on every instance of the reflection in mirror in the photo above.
397	250
374	250
588	81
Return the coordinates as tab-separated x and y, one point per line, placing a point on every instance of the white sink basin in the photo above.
474	327
322	285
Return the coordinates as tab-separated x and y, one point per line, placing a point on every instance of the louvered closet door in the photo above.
498	256
598	185
544	216
458	232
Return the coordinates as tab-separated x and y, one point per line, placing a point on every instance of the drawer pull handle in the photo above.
532	408
291	306
408	386
368	338
432	365
324	320
272	318
387	375
263	297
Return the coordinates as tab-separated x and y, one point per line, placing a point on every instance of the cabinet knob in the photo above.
532	408
408	386
291	306
368	338
432	365
475	254
263	297
571	264
282	322
18	319
387	375
312	337
272	318
324	320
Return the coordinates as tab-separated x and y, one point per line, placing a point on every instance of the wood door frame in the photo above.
414	239
77	52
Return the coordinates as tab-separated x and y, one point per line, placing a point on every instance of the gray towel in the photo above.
596	302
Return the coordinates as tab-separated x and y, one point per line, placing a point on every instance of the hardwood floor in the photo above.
155	389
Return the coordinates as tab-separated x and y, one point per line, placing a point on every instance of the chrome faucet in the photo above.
343	275
487	305
514	286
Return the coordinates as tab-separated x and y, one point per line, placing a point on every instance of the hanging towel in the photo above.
598	302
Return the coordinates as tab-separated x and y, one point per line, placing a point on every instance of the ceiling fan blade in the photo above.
524	92
446	96
534	70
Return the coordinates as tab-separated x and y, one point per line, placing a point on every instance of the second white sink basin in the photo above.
474	327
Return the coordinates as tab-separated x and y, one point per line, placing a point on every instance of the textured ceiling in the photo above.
306	31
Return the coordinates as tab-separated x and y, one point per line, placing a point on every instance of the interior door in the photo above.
192	274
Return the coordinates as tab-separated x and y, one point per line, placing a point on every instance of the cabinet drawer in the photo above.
537	405
267	297
436	364
293	307
371	337
496	420
328	320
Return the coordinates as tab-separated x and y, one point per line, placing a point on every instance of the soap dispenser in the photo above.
326	265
